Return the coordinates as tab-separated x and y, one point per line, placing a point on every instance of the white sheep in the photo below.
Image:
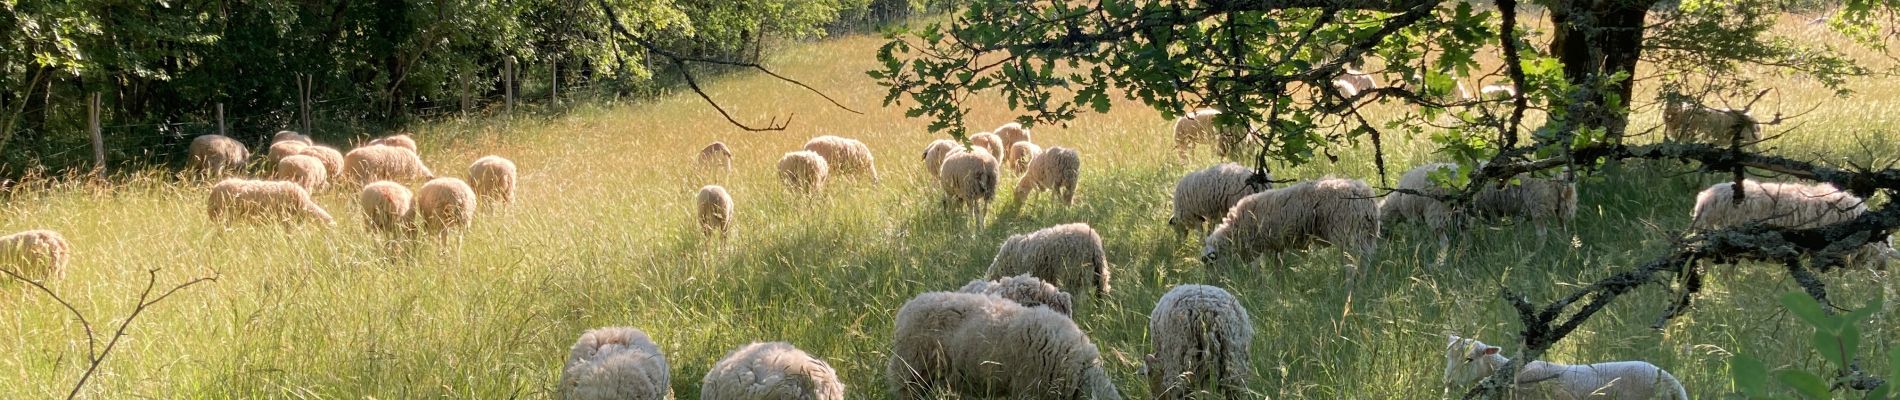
235	199
1688	122
715	158
1201	126
388	208
1056	170
400	140
493	179
1012	133
935	152
1468	361
715	210
287	148
1201	336
36	254
1203	197
1542	201
617	363
445	204
773	370
804	171
1019	156
291	136
988	142
303	170
1026	290
331	158
844	156
969	182
1787	205
384	163
216	154
1068	255
987	346
1340	212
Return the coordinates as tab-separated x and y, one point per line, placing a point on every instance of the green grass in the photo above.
602	235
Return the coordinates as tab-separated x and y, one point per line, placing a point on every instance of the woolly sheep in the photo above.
384	163
493	179
987	346
804	171
989	142
1468	361
845	156
287	148
1201	337
237	199
1688	122
331	158
1056	170
303	170
291	136
1541	201
1203	197
444	204
1788	205
1026	290
216	154
969	182
401	140
1340	212
1069	256
1011	133
715	210
1200	126
36	254
935	153
1352	82
771	371
1019	156
617	363
388	208
714	158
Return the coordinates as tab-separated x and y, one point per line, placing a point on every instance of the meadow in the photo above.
602	234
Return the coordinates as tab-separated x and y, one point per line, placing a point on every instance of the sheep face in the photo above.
1468	361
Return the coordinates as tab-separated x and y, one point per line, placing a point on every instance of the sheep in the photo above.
1340	212
1345	88
1068	255
1056	170
1541	201
36	254
291	136
384	163
1787	205
1684	121
987	346
935	153
304	170
773	370
216	154
331	158
493	179
1011	133
1468	361
616	363
236	199
969	182
388	208
287	148
400	140
1203	197
1026	290
989	142
804	171
1201	336
1497	91
445	204
714	158
715	210
1201	126
1019	156
844	156
1351	82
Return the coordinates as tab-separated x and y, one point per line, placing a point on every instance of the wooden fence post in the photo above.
221	121
98	137
508	82
555	81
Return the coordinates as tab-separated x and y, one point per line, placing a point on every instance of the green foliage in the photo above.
1836	338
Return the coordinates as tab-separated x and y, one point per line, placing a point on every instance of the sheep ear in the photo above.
1488	350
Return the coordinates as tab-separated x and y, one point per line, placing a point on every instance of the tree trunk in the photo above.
1597	39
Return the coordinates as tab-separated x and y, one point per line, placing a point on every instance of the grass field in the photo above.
602	235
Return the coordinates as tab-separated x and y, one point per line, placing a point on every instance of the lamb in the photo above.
1203	197
388	208
445	204
1026	290
1056	170
1787	205
1538	200
384	163
989	142
1688	122
1340	212
1201	336
493	179
771	371
715	210
988	346
400	140
1011	133
1069	256
1201	126
291	136
969	182
303	170
714	158
935	153
1468	361
36	254
1019	156
844	156
615	363
237	199
216	154
331	158
804	171
287	148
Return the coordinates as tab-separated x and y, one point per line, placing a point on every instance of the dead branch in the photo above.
95	356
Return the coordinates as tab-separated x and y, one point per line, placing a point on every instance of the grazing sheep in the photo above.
1019	156
1201	338
287	148
1056	170
384	163
1012	133
237	199
715	158
332	159
35	254
1689	122
1200	126
969	182
987	346
1069	256
1203	197
1787	205
845	156
616	363
989	142
493	179
1351	82
1541	201
771	371
1340	212
1026	290
216	154
715	210
1468	361
804	171
401	140
388	208
935	153
303	170
445	204
291	136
